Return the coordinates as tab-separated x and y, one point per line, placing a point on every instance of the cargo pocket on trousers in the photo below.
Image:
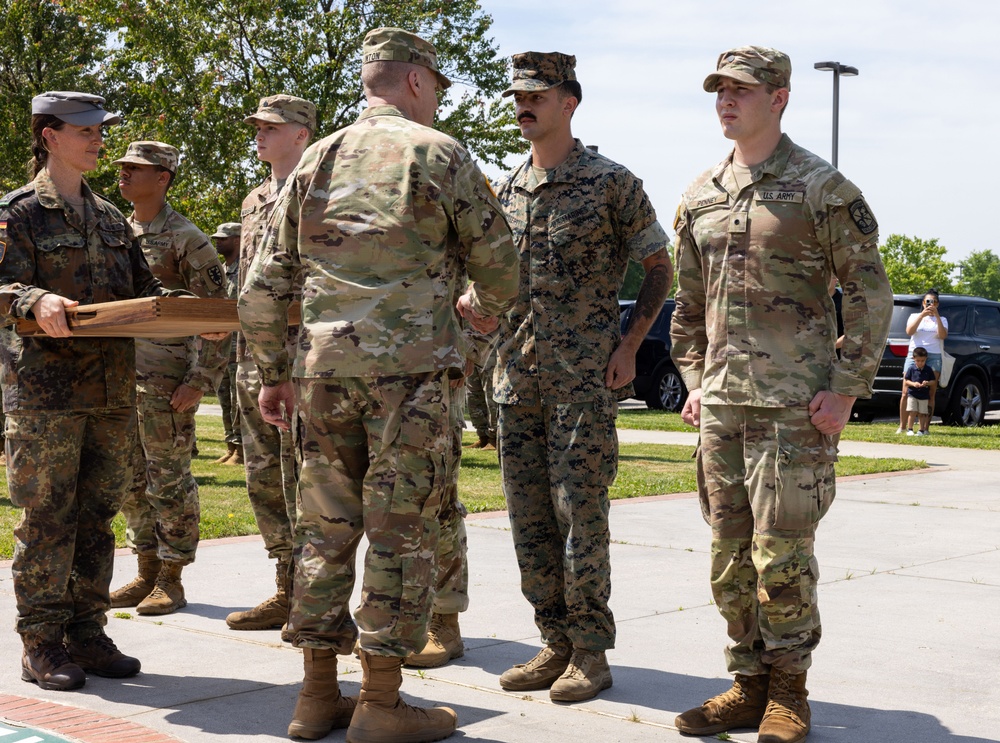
804	484
706	510
25	439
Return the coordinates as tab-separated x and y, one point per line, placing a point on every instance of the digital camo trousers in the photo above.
269	459
161	508
558	462
765	479
68	471
373	460
451	594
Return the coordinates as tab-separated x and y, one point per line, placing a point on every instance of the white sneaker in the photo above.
910	433
922	433
899	430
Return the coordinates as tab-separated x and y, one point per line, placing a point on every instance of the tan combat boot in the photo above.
382	717
230	450
444	643
540	672
321	707
141	586
271	613
741	706
788	717
168	595
587	675
237	459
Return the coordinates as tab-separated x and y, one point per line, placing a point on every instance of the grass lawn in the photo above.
984	437
644	469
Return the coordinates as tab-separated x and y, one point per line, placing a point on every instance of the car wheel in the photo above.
667	392
967	406
863	417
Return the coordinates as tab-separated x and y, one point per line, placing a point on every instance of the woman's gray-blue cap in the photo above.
78	109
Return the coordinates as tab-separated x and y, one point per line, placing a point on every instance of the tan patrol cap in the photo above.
753	65
285	109
228	229
78	109
151	153
396	45
541	70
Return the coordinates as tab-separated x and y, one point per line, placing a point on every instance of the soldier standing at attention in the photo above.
759	238
161	509
227	242
577	218
380	223
70	402
284	125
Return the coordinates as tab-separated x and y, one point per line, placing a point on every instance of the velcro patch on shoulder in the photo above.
862	216
847	191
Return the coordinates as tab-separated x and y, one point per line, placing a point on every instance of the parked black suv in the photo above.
656	379
972	378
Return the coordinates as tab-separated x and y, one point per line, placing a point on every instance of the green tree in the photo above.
980	275
915	265
189	71
44	45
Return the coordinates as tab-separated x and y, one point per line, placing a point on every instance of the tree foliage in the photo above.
188	72
914	265
980	275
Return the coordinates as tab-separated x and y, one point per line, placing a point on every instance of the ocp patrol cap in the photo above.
151	153
534	71
396	45
285	109
228	229
752	65
78	109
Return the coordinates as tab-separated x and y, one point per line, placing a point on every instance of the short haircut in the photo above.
384	76
919	353
570	87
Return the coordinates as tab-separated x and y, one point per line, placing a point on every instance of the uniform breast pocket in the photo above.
577	242
58	256
117	257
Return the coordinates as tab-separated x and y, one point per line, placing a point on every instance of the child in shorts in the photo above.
918	380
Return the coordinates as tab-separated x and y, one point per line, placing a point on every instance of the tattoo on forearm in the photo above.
652	292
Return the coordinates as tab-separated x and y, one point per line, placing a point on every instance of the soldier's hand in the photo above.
691	414
215	336
50	313
185	398
276	404
482	323
621	368
829	411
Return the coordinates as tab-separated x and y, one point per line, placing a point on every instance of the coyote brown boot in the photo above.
237	459
587	675
141	586
382	717
787	719
168	595
271	613
444	643
741	706
540	672
321	707
230	451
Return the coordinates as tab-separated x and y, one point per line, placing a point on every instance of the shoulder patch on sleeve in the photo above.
847	191
862	216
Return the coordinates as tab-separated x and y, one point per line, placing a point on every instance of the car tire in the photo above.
865	417
667	390
967	406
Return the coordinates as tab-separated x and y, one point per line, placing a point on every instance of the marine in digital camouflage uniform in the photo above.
172	374
226	239
577	218
284	125
380	340
759	238
69	402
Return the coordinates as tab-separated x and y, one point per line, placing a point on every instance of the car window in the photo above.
900	314
988	321
955	317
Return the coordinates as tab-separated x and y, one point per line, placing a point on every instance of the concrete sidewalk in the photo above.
910	594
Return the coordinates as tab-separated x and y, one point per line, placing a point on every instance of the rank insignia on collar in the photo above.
862	216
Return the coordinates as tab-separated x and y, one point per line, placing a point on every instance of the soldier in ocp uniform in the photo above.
379	263
562	365
172	375
759	238
284	126
70	402
227	242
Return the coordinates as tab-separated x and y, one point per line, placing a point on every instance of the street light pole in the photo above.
837	69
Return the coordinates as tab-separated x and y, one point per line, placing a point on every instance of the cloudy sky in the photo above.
915	126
